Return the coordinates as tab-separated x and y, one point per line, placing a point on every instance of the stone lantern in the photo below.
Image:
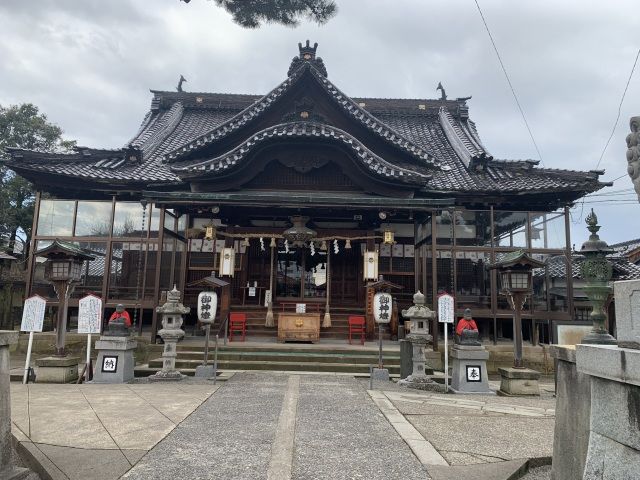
596	270
171	332
515	277
63	268
419	316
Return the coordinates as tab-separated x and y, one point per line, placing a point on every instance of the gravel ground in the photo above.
540	473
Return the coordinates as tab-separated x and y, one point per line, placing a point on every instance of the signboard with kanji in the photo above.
207	306
109	364
89	314
474	373
446	308
382	307
33	314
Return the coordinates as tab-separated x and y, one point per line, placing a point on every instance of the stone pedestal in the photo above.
380	374
7	470
406	363
418	378
57	369
115	363
614	441
518	381
470	370
204	371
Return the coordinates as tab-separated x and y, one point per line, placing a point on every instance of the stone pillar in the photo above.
171	332
633	153
573	414
7	470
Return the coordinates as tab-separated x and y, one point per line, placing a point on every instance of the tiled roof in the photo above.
436	137
556	268
302	130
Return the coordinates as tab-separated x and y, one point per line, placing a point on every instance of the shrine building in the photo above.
305	195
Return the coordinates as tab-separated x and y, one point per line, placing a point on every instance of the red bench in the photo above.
237	323
357	326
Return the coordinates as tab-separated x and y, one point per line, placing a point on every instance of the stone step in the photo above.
277	366
290	357
289	348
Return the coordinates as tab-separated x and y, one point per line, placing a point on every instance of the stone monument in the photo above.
420	316
115	363
7	469
469	365
171	332
633	153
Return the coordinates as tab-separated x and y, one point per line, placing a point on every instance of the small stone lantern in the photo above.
171	332
419	315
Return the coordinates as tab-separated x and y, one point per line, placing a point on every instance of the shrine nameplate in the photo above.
302	327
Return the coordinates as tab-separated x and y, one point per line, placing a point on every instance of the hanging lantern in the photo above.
227	262
273	243
347	245
370	267
209	232
389	236
299	233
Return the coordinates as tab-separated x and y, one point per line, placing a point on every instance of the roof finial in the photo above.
444	94
179	87
307	56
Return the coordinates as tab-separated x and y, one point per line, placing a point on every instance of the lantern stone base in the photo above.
204	371
380	374
421	382
57	369
115	363
161	376
470	370
516	382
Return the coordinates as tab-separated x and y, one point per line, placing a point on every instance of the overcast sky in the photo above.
89	66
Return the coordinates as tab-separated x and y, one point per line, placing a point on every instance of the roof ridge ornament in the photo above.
307	54
180	82
441	88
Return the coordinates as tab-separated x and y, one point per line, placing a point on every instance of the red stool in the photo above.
237	323
357	326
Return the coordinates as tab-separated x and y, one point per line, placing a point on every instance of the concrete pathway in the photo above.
280	426
98	431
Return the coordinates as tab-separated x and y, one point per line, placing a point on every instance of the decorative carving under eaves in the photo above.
304	111
633	153
303	163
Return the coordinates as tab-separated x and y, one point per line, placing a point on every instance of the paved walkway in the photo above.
98	431
280	426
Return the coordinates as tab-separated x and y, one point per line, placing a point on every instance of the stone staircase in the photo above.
279	357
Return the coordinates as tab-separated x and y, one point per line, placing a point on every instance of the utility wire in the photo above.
504	70
615	124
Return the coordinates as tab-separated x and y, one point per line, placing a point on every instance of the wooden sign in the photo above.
301	307
89	314
33	314
227	262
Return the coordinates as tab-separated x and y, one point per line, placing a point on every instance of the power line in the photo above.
504	70
615	124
